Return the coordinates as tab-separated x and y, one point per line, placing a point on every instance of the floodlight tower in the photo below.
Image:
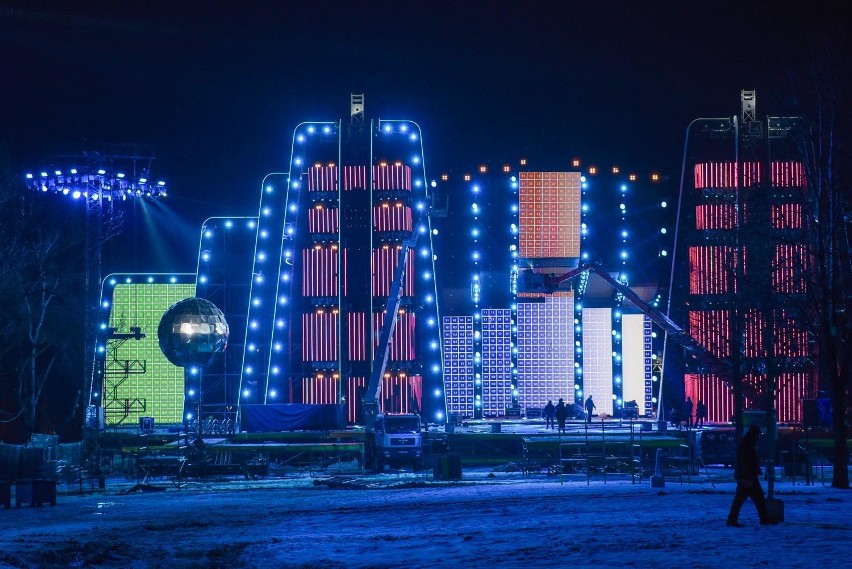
106	182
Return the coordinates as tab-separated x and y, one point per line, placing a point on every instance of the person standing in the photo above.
674	419
561	414
700	413
549	413
746	473
590	406
687	412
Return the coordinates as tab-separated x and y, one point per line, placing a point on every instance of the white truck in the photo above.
397	441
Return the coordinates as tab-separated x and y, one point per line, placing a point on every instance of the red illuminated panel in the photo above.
723	175
403	338
790	268
322	179
357	345
320	390
392	217
385	260
711	269
790	339
319	337
788	174
790	390
322	219
319	277
787	216
391	177
715	216
755	327
354	178
715	393
711	328
355	387
400	393
549	215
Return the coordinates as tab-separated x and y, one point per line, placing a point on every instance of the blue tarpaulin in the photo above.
291	417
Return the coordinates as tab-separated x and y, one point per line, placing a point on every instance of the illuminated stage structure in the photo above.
132	378
509	347
354	193
742	266
304	284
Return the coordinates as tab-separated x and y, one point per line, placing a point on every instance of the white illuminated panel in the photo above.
636	360
597	358
458	364
545	351
496	361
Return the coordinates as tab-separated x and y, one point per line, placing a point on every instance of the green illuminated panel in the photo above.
158	391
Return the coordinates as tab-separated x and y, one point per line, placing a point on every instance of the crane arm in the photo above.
380	362
702	356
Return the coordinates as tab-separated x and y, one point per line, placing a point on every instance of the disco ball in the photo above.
192	332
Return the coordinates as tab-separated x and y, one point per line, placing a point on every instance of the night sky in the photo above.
218	87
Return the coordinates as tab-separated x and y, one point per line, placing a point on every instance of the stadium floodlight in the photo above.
96	182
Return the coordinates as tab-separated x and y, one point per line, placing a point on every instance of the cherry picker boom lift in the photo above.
391	439
702	360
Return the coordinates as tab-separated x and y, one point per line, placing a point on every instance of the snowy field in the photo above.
488	521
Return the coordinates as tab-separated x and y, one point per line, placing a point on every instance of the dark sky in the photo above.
219	86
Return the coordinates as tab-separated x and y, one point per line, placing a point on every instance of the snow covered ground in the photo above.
486	520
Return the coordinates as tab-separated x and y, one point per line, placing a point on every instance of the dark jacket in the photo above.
549	410
561	411
748	463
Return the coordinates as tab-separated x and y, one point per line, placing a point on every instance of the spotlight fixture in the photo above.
100	178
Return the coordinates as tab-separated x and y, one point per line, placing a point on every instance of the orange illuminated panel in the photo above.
549	215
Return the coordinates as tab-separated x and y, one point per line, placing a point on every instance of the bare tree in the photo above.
40	268
825	147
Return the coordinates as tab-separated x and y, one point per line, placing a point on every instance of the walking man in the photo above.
747	472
